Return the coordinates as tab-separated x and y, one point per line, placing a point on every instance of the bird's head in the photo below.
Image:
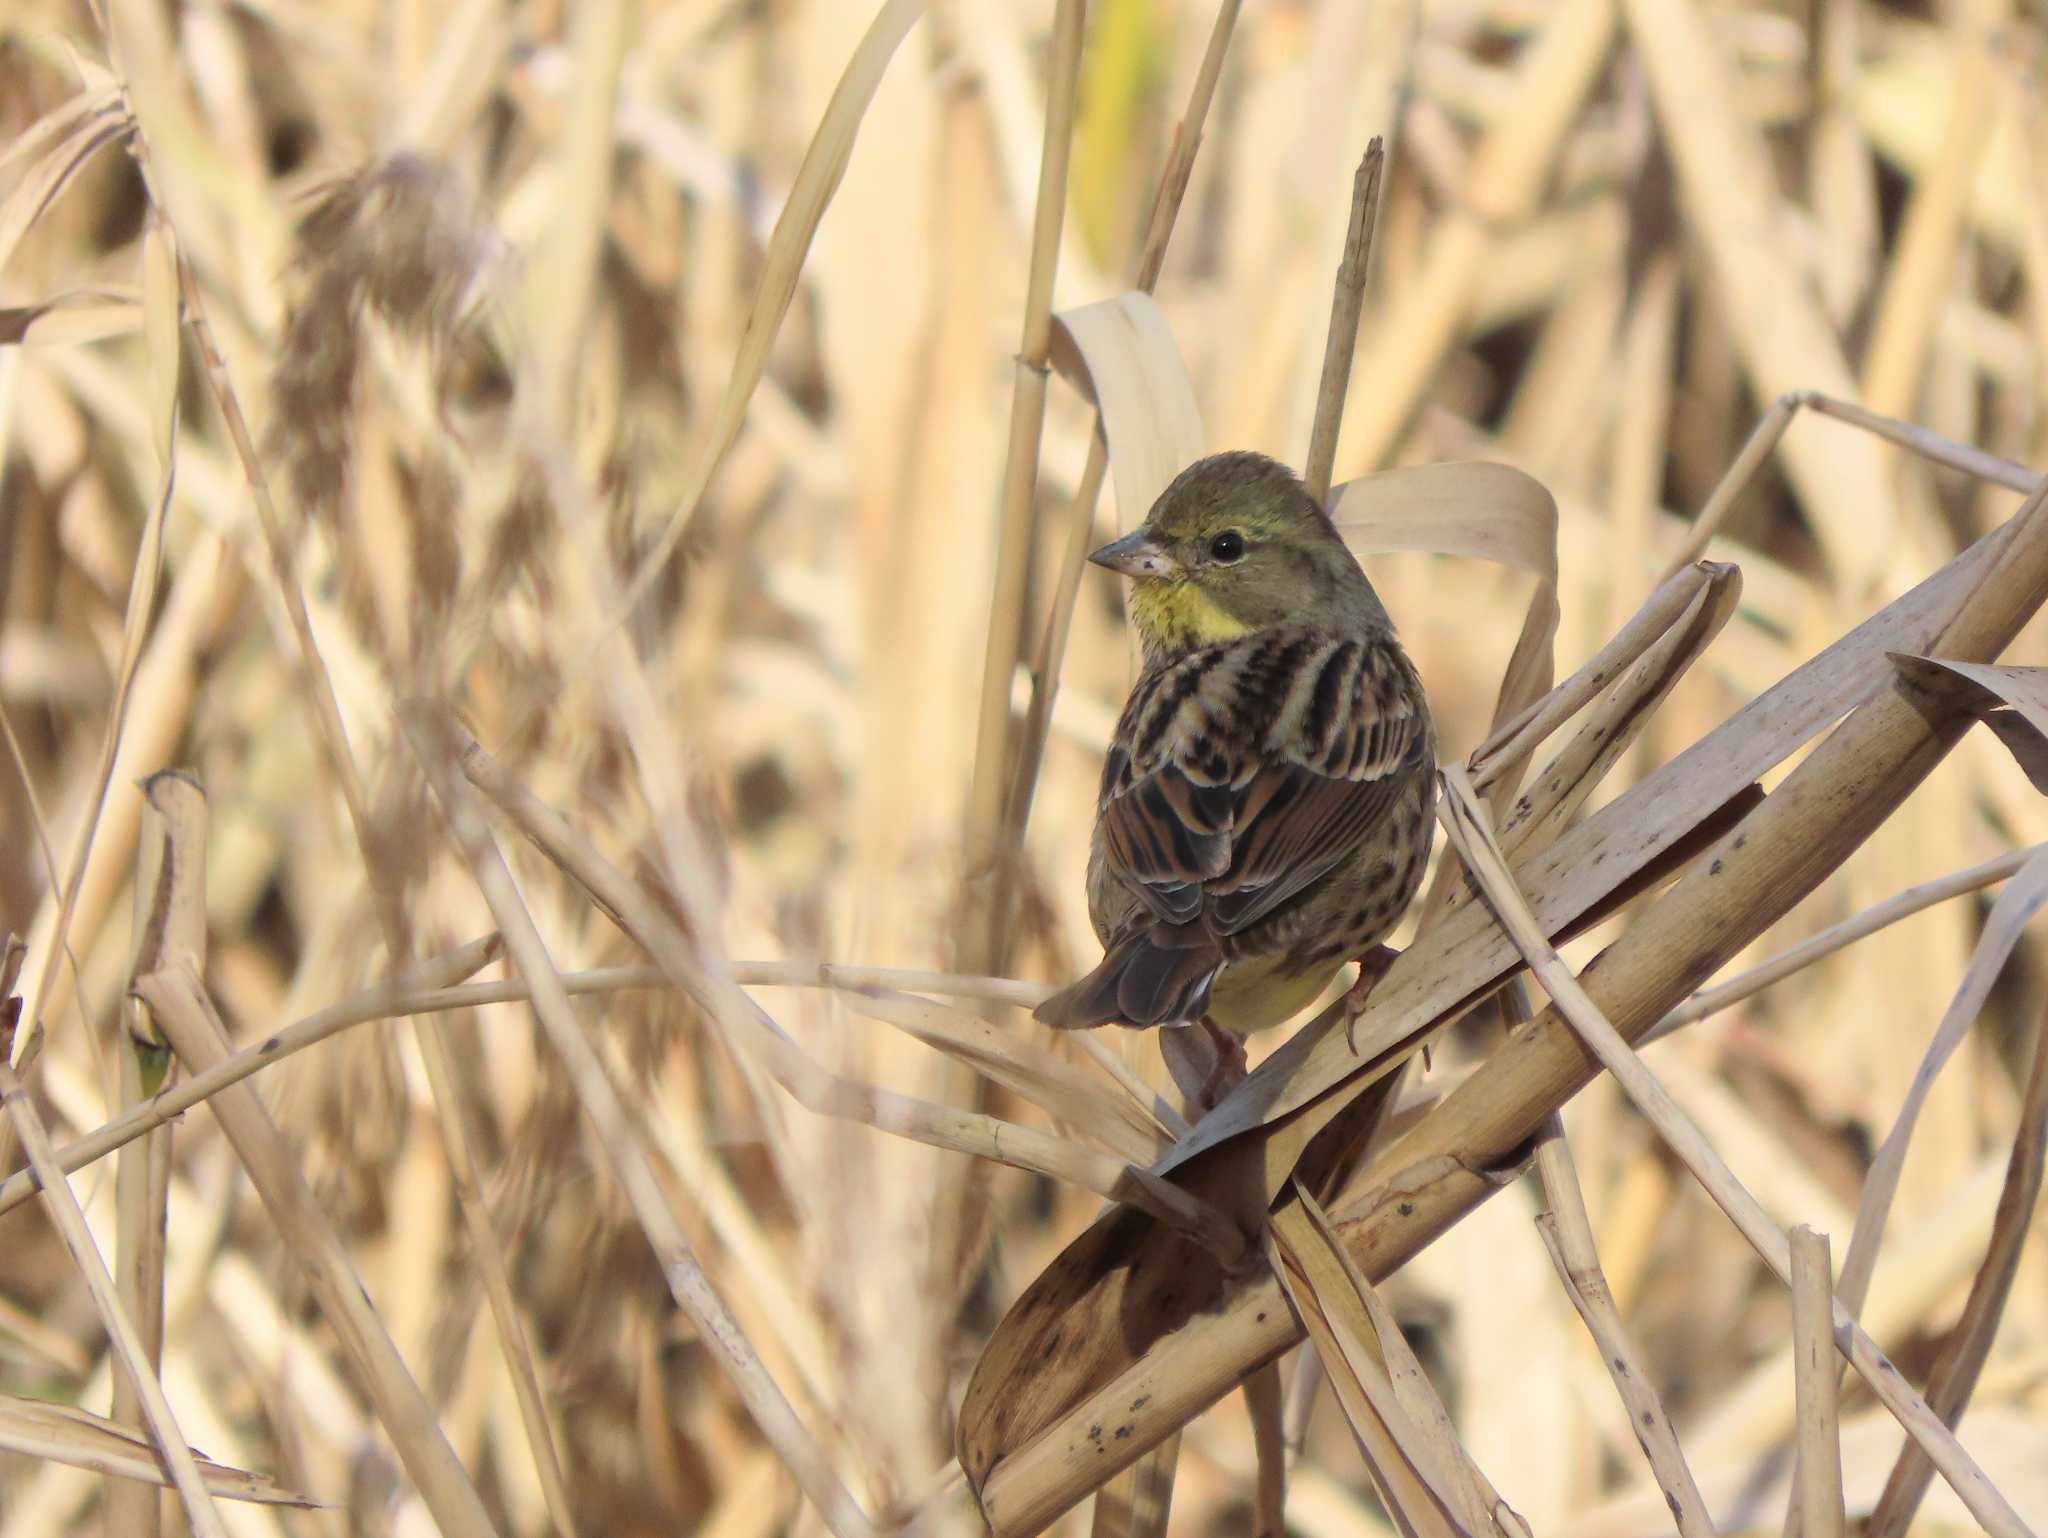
1234	545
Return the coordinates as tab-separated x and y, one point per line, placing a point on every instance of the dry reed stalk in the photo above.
1017	510
1784	341
1770	430
1465	816
128	1344
1080	511
2015	907
618	1131
1345	307
1568	1236
1963	1354
159	265
1138	1501
1817	1473
186	1016
423	986
824	165
1796	958
170	915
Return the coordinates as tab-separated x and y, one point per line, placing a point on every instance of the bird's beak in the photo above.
1137	554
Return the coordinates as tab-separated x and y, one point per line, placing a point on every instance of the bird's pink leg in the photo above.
1372	966
1231	1065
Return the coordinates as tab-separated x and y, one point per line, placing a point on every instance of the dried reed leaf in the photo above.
74	133
1488	512
2010	915
39	1428
1963	1354
1464	815
1415	1465
1120	355
2012	701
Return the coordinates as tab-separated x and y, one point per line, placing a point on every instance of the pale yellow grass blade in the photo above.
824	165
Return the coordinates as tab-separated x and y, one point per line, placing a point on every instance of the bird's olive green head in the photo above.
1234	545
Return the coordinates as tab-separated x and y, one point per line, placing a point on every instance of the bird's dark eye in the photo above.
1227	546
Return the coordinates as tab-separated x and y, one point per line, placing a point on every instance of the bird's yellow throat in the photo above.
1174	615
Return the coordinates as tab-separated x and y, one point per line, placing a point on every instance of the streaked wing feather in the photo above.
1246	772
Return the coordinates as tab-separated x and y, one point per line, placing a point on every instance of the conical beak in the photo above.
1137	554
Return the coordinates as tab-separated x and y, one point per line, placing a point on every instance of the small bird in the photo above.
1265	810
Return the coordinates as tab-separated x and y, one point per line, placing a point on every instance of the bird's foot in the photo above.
1372	966
1231	1070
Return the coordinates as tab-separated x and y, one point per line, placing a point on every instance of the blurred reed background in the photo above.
479	273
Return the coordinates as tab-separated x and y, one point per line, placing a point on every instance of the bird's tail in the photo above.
1142	981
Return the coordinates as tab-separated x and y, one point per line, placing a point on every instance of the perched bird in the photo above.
1265	810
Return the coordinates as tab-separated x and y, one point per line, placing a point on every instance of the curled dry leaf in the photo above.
1120	355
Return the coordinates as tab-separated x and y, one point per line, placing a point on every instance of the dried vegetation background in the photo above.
488	285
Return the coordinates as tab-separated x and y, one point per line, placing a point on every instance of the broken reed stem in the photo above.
1901	905
1301	1401
187	1016
1265	1407
1138	1501
1018	510
1346	304
618	1130
1568	1237
1963	1354
1080	511
127	1345
1816	1507
1465	817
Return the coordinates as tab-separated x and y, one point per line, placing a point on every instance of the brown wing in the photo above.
1246	772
